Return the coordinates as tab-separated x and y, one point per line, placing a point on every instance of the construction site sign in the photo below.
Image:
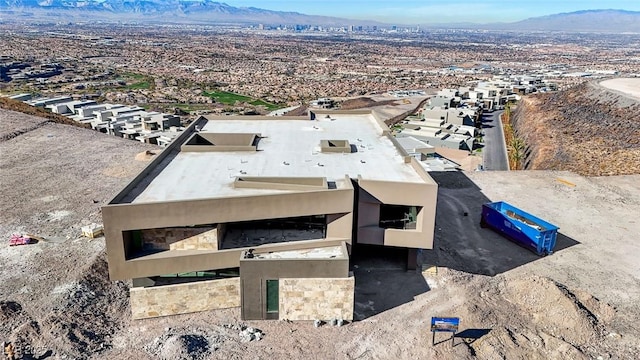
448	324
444	324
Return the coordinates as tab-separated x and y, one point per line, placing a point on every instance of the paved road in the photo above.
494	153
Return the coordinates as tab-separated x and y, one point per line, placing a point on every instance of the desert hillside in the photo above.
588	129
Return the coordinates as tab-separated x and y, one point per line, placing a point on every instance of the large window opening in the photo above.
398	216
188	277
195	276
143	242
271	231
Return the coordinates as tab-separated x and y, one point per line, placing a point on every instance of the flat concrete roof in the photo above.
74	102
424	131
428	124
288	148
410	144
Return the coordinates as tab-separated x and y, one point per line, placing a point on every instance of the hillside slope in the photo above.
586	129
55	295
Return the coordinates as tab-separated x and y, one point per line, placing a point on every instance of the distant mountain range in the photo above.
611	21
169	11
212	12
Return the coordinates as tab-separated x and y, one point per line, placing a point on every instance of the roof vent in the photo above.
205	142
281	183
337	146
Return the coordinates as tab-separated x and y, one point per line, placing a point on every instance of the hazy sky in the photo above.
429	11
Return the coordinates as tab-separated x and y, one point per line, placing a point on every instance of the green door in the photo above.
272	299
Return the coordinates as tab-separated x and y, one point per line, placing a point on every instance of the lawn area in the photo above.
134	76
136	81
226	97
267	105
230	98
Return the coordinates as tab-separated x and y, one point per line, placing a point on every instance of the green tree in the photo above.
517	153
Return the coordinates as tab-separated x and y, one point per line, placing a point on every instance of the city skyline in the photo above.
430	12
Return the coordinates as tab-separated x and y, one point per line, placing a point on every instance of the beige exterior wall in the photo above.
123	217
323	299
404	238
255	272
339	226
184	298
374	193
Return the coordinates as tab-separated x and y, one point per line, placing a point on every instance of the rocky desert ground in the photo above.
590	129
56	301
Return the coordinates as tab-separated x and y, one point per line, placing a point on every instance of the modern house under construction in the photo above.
263	213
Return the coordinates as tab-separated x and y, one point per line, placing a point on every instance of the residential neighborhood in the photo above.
129	122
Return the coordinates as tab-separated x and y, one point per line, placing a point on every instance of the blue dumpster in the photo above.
520	227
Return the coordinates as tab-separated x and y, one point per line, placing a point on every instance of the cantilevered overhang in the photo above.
119	218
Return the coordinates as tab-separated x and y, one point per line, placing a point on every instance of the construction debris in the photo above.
92	231
563	181
428	269
251	334
17	239
184	343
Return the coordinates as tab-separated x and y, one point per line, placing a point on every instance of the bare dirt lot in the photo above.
54	178
627	86
580	303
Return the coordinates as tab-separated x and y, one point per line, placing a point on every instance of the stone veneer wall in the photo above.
310	299
184	298
201	238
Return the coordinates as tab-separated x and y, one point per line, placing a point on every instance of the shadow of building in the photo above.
382	280
461	244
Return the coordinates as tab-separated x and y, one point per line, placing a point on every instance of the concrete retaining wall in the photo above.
323	299
184	298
